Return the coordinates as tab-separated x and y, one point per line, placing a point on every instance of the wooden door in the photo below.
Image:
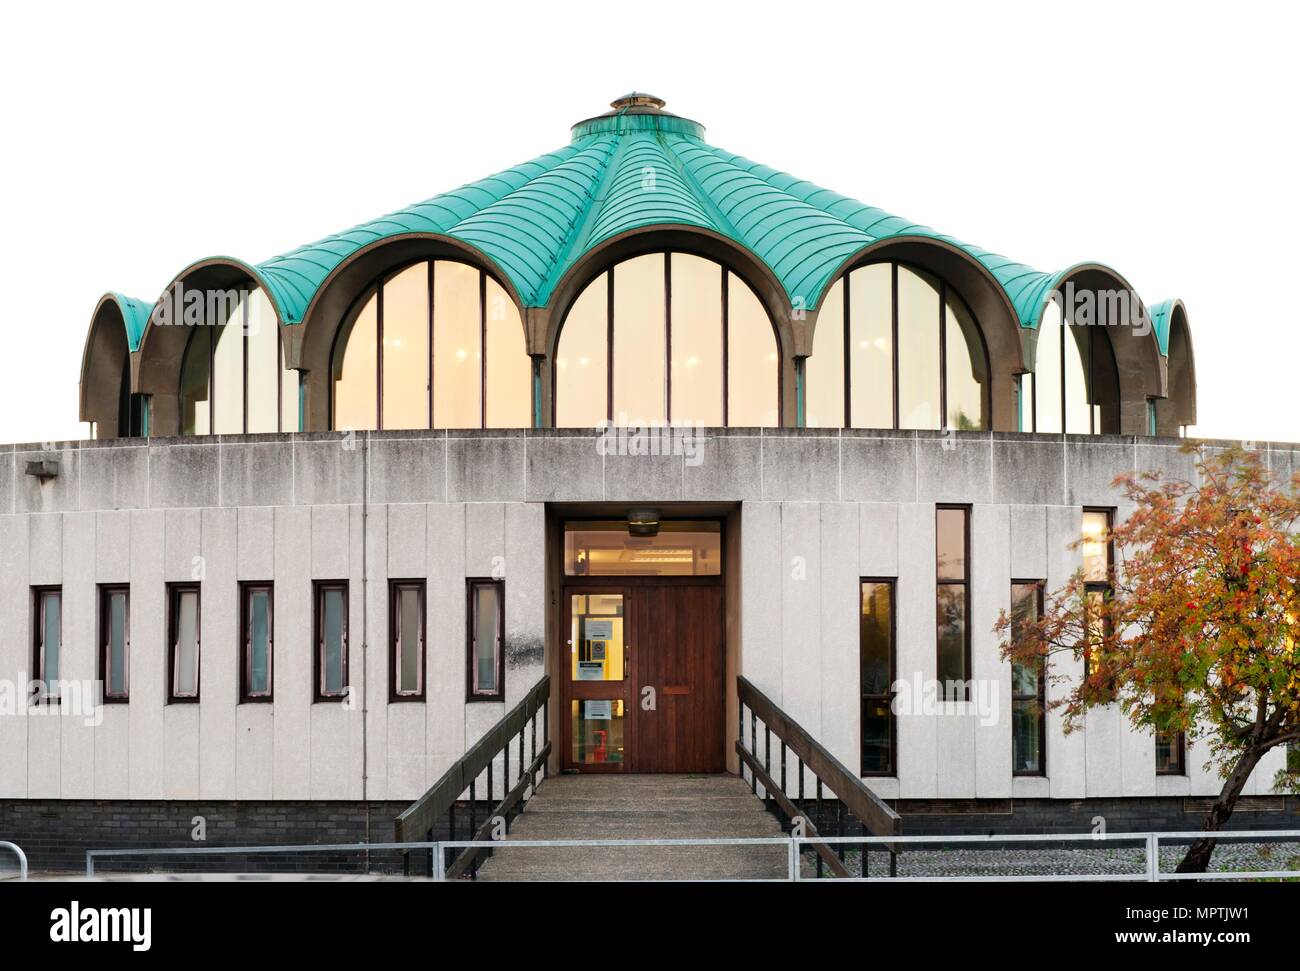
678	652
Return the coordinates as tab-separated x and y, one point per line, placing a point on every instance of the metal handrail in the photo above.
92	855
22	858
1150	842
422	818
871	813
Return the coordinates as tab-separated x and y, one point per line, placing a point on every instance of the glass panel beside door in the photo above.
597	683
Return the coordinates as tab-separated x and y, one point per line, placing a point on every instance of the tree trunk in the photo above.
1198	854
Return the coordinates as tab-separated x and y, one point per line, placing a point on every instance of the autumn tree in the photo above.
1198	633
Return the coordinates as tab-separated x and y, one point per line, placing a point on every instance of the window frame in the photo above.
375	288
863	698
1040	697
472	693
395	586
38	600
1180	748
1096	415
106	593
726	273
210	407
319	692
965	584
1104	587
945	292
247	589
174	593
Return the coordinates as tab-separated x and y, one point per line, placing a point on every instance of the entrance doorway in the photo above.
642	689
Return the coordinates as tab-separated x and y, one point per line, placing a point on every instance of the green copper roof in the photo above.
632	168
135	314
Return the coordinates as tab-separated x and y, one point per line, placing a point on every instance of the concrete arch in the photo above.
972	280
105	367
309	345
544	323
1140	366
1178	408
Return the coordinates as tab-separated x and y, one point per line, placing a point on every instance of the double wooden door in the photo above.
643	688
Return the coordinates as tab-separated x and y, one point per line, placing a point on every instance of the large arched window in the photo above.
233	379
437	344
1074	387
667	337
895	347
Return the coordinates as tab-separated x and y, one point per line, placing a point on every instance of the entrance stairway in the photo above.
640	807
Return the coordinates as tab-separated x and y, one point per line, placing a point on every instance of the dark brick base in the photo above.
923	817
56	834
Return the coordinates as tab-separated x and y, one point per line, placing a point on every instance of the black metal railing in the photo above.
435	814
851	809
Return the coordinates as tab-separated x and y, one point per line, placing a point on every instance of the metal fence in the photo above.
798	848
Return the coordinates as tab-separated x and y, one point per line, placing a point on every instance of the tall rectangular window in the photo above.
952	557
183	638
406	639
47	640
876	663
486	627
1171	753
1098	569
257	638
115	641
331	640
1028	687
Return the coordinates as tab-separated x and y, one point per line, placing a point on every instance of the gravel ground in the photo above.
1045	859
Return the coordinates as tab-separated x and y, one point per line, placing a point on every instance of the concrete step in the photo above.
640	807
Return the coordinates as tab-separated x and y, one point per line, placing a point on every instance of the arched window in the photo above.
667	337
436	344
895	347
1074	387
233	378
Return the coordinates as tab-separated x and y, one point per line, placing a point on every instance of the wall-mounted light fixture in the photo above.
643	522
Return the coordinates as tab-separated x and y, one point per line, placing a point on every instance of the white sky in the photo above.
1156	137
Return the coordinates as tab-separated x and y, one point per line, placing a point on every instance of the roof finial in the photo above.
637	99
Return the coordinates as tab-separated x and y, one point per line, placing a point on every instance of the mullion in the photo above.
943	355
609	347
432	351
848	345
726	348
379	354
668	337
893	308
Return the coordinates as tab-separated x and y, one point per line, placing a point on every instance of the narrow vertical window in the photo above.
876	663
1028	687
1171	753
48	641
486	627
952	544
115	642
183	620
331	640
406	636
258	639
1098	566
